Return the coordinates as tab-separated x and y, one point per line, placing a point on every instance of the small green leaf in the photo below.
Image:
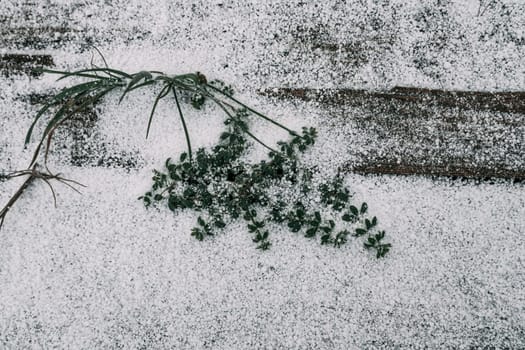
326	229
325	239
360	231
197	233
219	223
364	208
343	196
264	245
338	205
340	239
172	203
354	210
295	226
311	232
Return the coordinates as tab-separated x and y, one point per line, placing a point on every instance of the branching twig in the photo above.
32	174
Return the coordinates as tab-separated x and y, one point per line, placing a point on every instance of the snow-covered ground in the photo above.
101	271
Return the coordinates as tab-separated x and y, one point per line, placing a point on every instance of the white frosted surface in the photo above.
101	271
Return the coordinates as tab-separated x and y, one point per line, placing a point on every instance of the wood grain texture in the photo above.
413	131
509	102
24	64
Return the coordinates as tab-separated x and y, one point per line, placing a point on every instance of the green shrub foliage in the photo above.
223	186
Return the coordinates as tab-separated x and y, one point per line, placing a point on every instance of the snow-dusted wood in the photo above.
408	131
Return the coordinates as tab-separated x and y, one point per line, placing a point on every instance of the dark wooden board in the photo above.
24	64
414	131
510	102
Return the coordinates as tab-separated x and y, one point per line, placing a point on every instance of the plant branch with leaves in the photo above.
218	183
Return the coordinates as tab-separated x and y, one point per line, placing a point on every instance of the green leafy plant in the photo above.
223	186
219	183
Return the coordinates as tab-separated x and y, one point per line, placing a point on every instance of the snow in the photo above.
101	271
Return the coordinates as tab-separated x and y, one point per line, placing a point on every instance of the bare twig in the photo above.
32	174
13	199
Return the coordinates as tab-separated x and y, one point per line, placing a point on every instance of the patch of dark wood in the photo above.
509	102
413	131
35	98
89	150
50	37
451	171
39	38
79	141
14	64
85	146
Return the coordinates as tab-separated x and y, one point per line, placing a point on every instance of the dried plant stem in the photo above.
33	174
14	198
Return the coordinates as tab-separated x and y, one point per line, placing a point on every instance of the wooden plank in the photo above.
414	131
509	102
40	37
79	140
452	171
414	120
24	64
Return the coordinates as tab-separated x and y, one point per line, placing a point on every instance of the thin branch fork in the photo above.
32	174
